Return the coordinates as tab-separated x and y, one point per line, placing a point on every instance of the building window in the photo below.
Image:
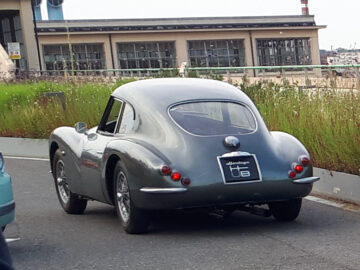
146	55
216	53
85	57
279	52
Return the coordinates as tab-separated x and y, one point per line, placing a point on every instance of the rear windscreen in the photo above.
213	118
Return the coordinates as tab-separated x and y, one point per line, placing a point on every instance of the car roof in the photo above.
158	93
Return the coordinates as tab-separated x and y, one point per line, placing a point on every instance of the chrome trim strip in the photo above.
307	180
163	190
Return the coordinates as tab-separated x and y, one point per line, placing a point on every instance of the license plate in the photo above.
242	168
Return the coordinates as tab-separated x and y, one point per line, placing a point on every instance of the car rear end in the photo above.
227	157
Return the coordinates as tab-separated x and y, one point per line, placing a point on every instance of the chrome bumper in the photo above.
163	190
307	180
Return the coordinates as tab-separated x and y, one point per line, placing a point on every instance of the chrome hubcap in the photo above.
61	183
123	196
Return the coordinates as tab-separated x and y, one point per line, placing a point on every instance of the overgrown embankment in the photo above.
326	121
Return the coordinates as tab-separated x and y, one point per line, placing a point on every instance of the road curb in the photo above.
337	185
22	147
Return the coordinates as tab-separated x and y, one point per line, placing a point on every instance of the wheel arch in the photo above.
109	175
53	147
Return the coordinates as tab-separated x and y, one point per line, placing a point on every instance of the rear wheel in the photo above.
70	202
133	219
286	210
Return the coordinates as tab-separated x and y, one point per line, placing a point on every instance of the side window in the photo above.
111	115
127	121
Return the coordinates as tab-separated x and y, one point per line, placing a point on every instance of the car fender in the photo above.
290	148
70	143
140	163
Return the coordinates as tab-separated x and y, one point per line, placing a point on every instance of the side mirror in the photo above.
80	127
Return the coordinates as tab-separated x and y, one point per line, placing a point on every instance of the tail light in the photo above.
298	168
304	160
186	181
165	170
291	174
176	176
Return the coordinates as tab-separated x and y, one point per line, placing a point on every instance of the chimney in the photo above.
305	7
55	11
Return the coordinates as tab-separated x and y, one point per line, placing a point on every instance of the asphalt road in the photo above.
323	237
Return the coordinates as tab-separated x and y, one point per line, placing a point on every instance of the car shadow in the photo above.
194	222
199	221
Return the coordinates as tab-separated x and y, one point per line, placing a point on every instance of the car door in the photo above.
93	149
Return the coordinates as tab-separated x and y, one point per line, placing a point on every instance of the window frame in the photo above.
106	113
269	53
143	54
223	53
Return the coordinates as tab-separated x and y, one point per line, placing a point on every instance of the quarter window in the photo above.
127	120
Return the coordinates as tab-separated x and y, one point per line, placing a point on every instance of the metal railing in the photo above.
304	73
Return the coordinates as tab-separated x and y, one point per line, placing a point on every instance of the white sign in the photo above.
14	50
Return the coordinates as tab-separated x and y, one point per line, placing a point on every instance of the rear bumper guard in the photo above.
307	180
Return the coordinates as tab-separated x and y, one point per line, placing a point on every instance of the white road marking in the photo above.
344	206
9	240
27	158
323	201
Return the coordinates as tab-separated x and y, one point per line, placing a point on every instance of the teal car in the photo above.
7	204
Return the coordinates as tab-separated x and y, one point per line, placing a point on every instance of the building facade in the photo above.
165	43
17	25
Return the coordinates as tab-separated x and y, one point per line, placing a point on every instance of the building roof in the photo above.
177	24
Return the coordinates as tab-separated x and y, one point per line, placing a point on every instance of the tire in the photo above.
70	202
287	210
133	219
3	228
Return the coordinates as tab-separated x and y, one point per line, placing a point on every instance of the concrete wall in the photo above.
181	37
10	5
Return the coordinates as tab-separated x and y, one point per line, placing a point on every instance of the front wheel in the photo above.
70	202
133	219
286	210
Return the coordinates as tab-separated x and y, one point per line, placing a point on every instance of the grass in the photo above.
326	121
25	112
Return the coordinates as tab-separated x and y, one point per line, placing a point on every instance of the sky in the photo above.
340	17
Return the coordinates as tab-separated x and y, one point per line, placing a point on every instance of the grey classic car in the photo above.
178	144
